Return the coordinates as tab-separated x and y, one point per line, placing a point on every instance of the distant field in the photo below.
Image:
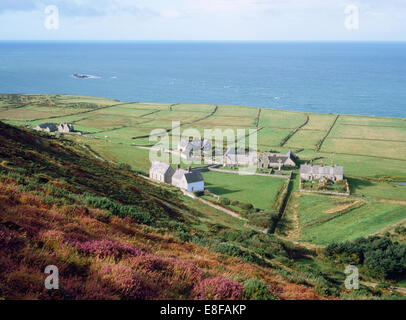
307	139
371	149
359	222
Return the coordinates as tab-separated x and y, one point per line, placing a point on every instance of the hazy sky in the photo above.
203	20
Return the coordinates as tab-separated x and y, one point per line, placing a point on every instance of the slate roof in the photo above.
159	167
317	169
195	144
276	158
191	177
51	126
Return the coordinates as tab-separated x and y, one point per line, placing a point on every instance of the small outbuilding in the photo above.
188	180
161	172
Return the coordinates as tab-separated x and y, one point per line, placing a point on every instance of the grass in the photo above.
305	139
259	191
356	223
377	189
371	121
281	119
382	149
321	122
369	132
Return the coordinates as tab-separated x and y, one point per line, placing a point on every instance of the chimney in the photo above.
189	169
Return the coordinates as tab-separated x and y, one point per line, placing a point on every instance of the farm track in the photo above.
290	135
320	145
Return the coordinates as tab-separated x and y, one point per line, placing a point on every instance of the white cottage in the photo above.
188	180
161	172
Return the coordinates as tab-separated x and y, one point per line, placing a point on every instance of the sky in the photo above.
236	20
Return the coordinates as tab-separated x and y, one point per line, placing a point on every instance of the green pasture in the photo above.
260	191
359	222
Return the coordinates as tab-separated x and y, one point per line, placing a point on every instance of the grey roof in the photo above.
276	158
196	144
159	167
51	126
317	169
193	176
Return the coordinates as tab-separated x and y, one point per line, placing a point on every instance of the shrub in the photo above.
218	288
235	251
382	258
235	203
225	201
198	193
246	206
255	289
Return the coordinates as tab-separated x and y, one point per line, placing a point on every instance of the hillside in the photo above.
107	230
115	235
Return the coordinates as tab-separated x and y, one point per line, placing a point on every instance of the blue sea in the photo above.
349	78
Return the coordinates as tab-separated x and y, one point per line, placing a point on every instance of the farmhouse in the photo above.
272	160
188	180
197	146
317	172
52	127
161	172
65	128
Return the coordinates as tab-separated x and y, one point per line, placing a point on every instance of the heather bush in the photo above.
107	248
127	283
218	288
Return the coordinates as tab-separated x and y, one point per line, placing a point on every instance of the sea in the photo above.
365	78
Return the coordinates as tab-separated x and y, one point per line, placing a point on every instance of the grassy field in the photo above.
371	149
260	191
326	219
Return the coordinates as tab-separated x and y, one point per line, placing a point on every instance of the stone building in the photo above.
268	160
53	127
188	180
319	172
161	172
